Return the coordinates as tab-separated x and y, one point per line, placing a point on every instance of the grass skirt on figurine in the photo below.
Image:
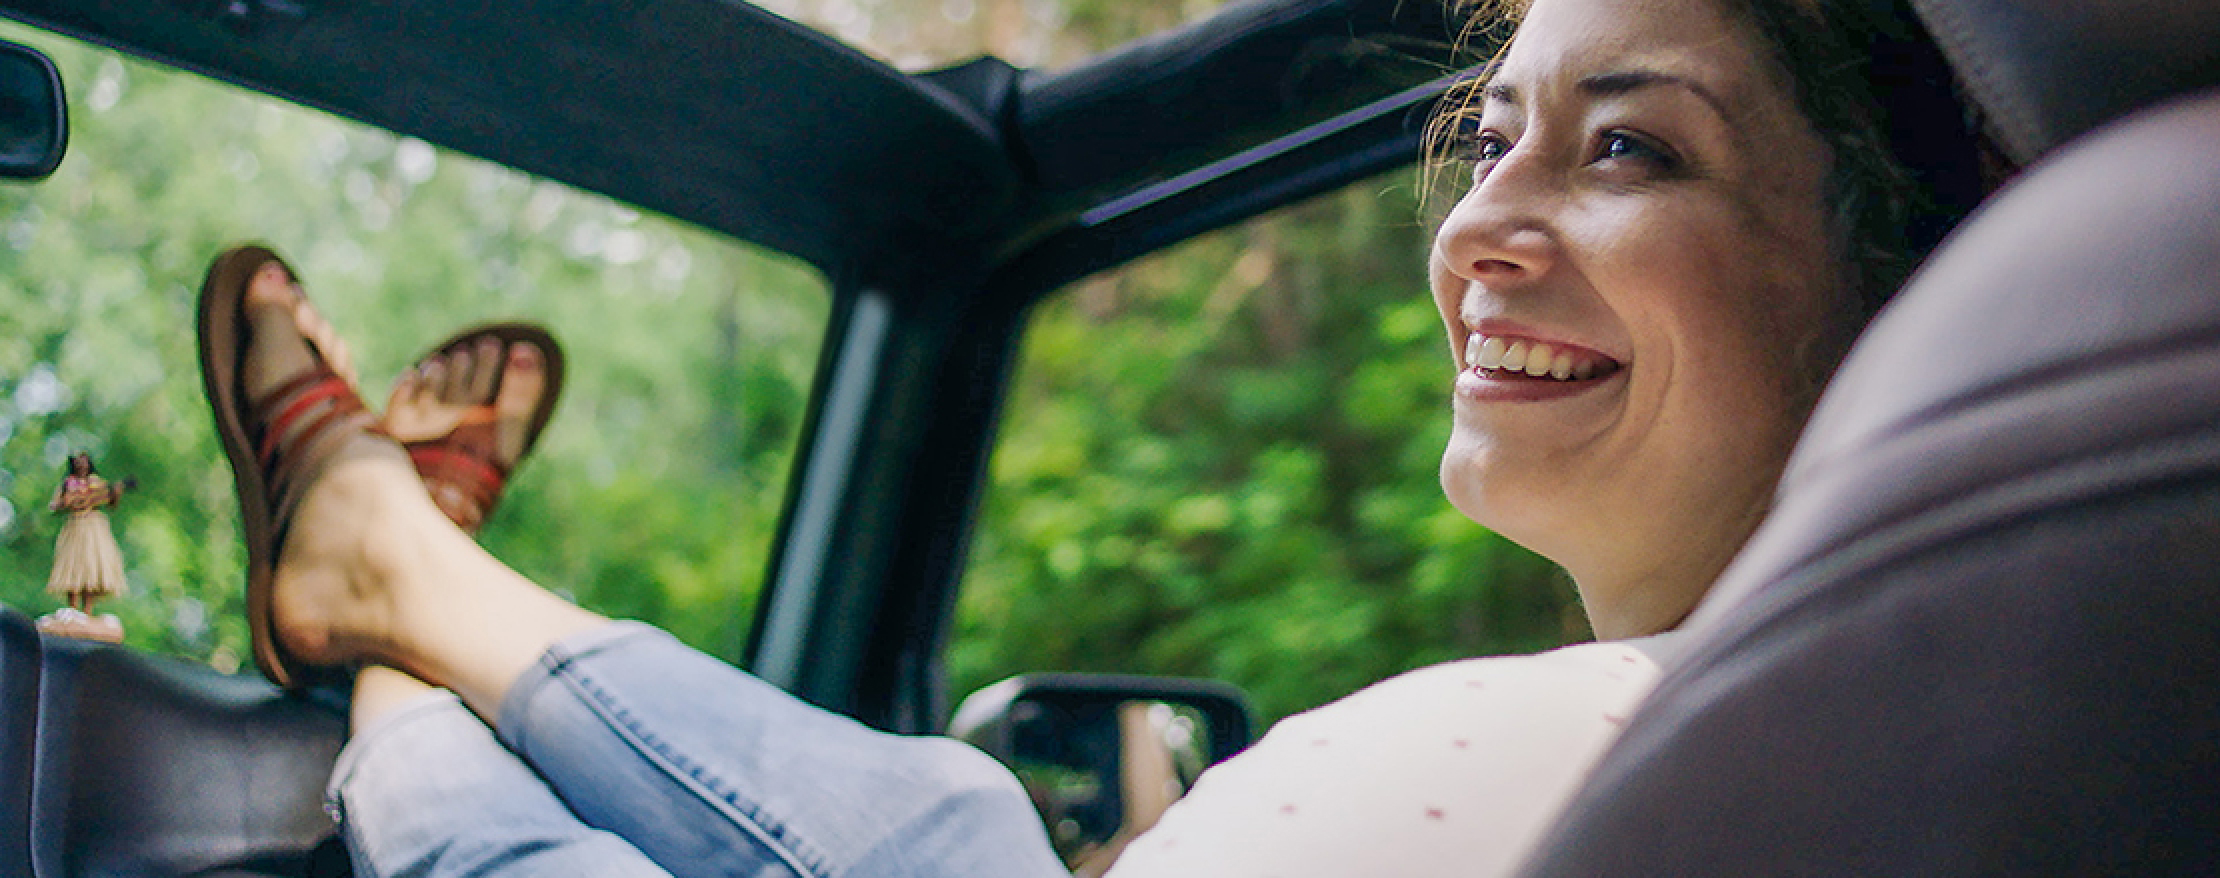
86	558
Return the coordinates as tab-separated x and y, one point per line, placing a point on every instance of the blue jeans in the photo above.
625	753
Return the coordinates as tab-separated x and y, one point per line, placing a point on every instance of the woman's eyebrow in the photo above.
1622	82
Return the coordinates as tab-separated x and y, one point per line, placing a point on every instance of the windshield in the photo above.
654	492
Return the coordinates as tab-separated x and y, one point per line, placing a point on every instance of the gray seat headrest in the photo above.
2033	342
2047	71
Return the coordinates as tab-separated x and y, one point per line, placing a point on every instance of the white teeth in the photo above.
1538	359
1491	354
1535	359
1514	359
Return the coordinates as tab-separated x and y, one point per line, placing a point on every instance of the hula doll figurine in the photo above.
88	565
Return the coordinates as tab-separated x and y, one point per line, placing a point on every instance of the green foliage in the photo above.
1222	462
655	490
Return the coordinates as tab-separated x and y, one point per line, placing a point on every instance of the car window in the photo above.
1221	461
655	491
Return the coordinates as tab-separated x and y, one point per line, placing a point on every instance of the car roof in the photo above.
726	115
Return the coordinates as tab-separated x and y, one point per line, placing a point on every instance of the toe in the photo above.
454	386
486	366
405	389
271	286
523	381
275	350
320	333
415	411
431	377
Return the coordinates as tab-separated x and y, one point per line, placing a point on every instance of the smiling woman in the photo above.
1699	224
1681	212
1647	208
1660	259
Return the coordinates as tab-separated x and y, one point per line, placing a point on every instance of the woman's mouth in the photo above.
1500	357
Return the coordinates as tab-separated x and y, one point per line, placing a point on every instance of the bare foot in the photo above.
491	389
368	570
438	395
324	606
433	398
273	294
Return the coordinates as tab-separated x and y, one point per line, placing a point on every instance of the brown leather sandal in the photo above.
279	443
461	468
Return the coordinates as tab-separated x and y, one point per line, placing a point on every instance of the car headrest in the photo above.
2046	299
2046	71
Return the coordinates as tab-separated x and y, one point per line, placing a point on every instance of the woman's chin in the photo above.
1500	495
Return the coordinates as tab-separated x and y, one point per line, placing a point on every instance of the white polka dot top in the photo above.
1455	769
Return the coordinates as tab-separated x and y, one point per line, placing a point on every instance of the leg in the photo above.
373	570
691	759
420	765
471	409
698	765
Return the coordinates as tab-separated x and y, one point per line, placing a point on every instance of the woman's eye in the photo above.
1624	146
1489	146
1476	143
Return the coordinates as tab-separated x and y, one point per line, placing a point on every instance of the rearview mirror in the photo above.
1103	755
34	119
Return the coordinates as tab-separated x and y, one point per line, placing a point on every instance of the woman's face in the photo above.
1640	297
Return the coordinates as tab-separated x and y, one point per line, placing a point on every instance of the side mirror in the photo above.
1103	755
34	119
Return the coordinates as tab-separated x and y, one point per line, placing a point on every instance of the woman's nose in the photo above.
1501	231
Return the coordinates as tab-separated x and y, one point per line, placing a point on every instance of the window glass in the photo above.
1221	461
654	492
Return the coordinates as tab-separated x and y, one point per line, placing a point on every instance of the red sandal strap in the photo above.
310	407
292	385
327	388
474	476
292	478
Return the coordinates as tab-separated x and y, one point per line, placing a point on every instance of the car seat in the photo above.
153	766
19	686
1980	633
